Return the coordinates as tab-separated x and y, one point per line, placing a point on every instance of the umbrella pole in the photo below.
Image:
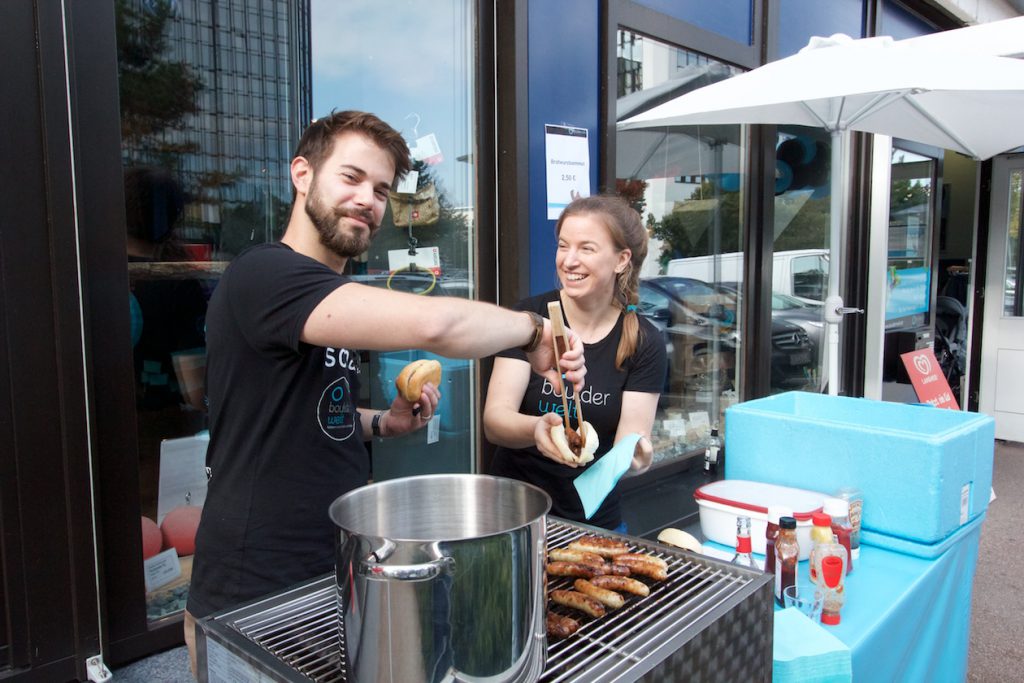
834	301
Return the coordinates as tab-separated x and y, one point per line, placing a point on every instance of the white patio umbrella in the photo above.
958	101
668	152
1003	38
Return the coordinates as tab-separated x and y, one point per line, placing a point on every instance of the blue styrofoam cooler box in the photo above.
924	471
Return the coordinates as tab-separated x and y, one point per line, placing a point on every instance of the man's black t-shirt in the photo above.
285	437
602	400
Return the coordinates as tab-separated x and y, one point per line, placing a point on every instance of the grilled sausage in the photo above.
578	601
605	547
574	569
570	555
606	597
645	568
617	569
621	583
561	627
650	558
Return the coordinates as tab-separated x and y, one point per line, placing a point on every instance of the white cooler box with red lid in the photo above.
721	502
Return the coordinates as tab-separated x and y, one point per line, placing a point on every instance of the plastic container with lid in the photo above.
720	502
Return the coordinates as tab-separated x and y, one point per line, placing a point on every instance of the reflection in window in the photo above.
908	273
800	259
1013	300
206	175
685	182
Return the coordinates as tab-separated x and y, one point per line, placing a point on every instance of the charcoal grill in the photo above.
709	620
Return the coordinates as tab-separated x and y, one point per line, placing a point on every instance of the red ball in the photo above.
152	539
179	529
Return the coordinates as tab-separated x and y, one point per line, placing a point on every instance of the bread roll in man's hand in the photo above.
413	376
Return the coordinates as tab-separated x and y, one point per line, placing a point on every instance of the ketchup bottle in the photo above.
771	532
787	553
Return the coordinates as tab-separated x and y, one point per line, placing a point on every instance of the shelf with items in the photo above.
175	270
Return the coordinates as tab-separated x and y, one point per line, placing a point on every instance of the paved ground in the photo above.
997	619
997	615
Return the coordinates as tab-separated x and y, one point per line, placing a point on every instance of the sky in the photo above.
398	59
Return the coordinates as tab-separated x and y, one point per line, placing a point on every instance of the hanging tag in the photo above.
409	183
427	258
434	429
427	150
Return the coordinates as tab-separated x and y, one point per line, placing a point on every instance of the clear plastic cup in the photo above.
806	597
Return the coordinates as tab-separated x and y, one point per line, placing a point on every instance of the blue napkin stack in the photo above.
805	651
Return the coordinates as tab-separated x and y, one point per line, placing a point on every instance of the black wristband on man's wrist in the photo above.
375	423
538	332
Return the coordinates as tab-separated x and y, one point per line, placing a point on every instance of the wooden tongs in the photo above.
561	344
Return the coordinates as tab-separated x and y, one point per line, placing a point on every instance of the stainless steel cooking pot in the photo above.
441	578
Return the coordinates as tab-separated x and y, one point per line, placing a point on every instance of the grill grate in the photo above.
623	638
302	632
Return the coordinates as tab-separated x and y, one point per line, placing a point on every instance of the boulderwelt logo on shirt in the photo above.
336	409
551	399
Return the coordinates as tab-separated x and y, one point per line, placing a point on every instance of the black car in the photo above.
702	318
699	329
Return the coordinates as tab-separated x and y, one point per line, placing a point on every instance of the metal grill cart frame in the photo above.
709	620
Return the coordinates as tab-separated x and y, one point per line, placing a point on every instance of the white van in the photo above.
802	273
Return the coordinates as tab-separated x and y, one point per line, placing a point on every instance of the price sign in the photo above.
568	166
930	384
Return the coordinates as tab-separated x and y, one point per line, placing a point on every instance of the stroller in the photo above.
951	340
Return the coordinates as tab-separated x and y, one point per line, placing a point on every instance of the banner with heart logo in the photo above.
930	384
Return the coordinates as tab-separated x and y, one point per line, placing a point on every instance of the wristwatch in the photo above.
538	332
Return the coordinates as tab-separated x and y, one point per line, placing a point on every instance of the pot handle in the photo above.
407	572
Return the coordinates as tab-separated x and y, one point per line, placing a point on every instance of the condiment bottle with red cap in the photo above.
743	545
832	572
821	536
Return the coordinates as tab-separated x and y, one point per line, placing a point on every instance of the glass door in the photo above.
686	183
911	253
1002	352
800	259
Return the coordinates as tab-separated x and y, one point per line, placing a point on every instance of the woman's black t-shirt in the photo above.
602	405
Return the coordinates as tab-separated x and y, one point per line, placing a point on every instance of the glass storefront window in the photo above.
196	193
800	259
427	242
212	106
908	272
686	182
1013	295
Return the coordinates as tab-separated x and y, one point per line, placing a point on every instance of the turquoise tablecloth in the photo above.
907	618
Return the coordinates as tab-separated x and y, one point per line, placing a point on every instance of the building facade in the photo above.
150	145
